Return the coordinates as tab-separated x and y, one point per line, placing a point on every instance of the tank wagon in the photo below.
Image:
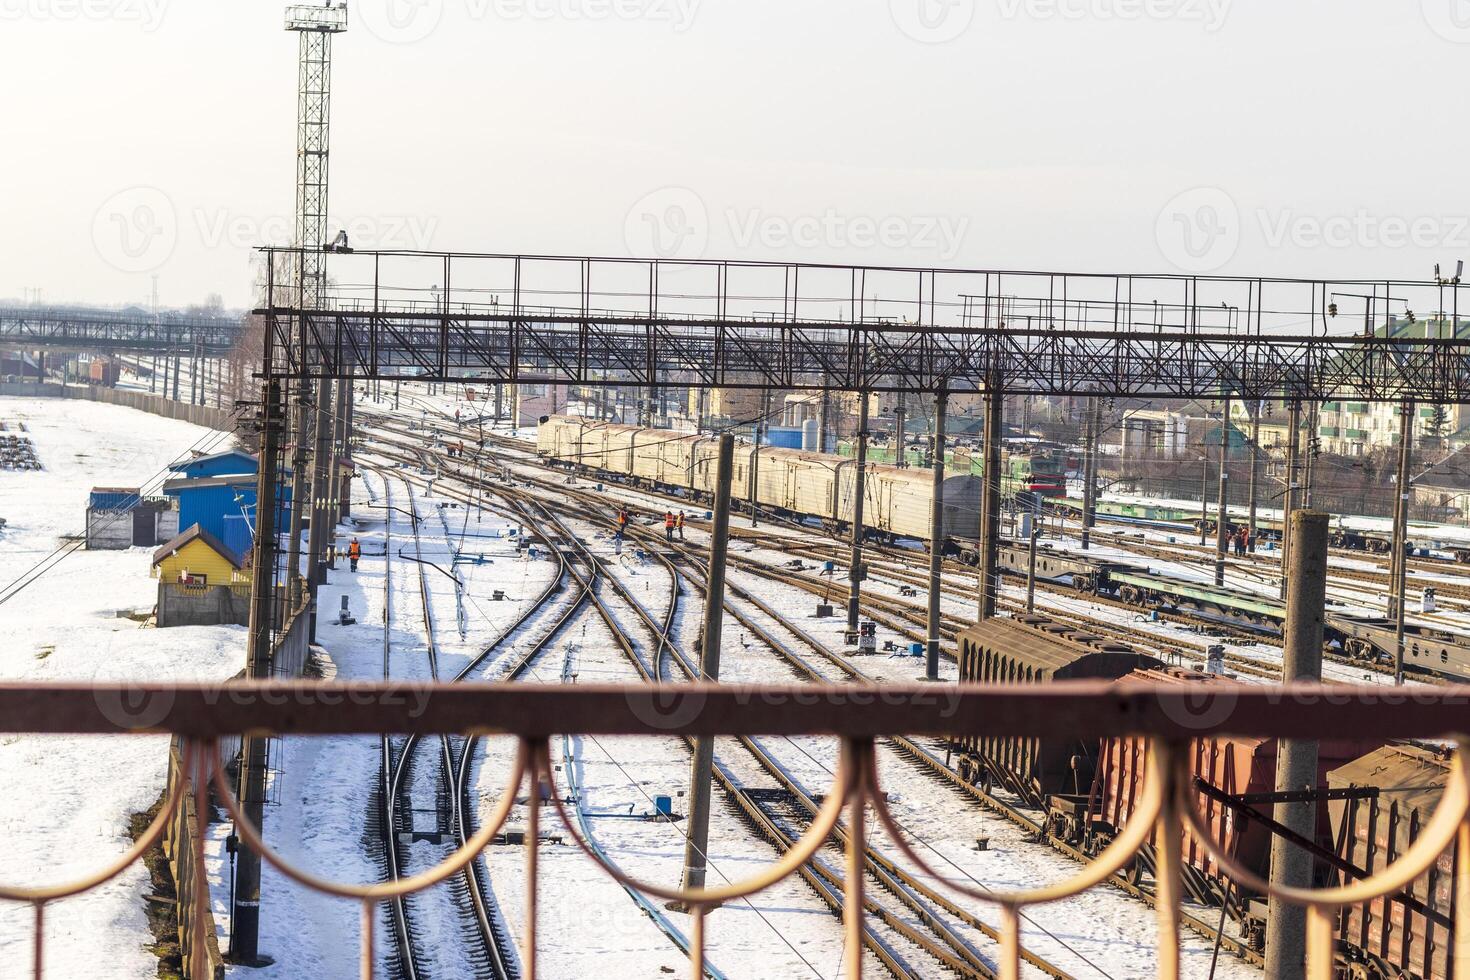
793	483
1086	791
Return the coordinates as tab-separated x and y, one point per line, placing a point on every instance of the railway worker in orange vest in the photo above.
622	523
354	552
680	525
668	525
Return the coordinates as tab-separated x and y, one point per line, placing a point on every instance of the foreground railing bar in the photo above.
1076	708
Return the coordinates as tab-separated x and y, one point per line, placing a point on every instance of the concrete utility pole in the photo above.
1398	568
1296	759
1222	509
855	571
1293	443
936	539
1089	471
696	845
989	584
245	912
1255	449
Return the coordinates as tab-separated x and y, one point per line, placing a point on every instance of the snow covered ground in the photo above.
67	801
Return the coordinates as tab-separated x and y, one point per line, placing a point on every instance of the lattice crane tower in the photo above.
315	25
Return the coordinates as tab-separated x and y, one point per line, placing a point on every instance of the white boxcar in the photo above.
795	481
662	456
898	501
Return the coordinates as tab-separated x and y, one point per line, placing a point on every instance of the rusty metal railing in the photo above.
1168	716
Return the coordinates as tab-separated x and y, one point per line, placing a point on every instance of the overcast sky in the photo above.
1317	138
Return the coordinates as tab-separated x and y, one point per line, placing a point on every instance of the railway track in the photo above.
909	618
950	950
926	758
492	952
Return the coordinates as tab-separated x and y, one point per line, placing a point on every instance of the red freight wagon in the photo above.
1237	767
1415	937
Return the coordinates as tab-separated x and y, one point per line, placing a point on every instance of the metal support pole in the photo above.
855	566
245	911
1398	603
755	459
1293	443
1296	759
1255	449
697	842
1310	462
898	439
1222	507
824	422
1031	555
936	539
1089	472
349	403
318	534
1204	496
989	585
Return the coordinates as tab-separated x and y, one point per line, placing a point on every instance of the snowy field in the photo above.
67	801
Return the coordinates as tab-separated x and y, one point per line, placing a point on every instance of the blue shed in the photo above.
783	437
232	462
222	505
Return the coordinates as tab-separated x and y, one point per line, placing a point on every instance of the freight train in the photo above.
790	482
809	486
1085	792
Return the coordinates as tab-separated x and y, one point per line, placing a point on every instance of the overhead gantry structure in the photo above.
115	331
619	322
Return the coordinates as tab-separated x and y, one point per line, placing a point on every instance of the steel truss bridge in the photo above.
603	321
115	331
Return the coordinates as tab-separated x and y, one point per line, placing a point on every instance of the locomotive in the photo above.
1084	792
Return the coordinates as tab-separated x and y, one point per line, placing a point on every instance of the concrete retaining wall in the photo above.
205	415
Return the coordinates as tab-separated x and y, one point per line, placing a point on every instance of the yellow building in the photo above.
201	582
196	559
